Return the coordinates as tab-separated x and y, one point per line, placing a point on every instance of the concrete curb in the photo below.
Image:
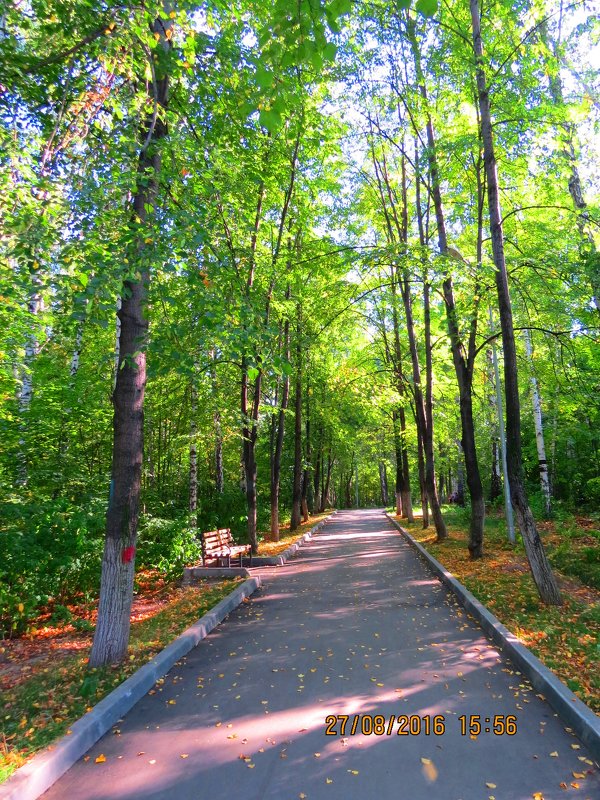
576	714
44	769
278	561
257	561
213	572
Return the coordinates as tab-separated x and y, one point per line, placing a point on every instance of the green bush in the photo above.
167	545
50	553
592	491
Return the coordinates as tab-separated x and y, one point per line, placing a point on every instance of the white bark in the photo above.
75	358
34	306
539	428
508	510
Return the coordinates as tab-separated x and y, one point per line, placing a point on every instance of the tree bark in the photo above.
297	479
218	446
422	487
539	428
193	498
325	500
279	433
383	483
306	470
317	475
249	436
111	637
463	361
538	561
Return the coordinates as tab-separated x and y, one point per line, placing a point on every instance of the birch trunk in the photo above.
34	307
325	499
539	428
508	510
383	483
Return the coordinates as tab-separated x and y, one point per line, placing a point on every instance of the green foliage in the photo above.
49	554
167	545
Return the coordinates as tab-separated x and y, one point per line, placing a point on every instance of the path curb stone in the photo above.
44	769
190	573
575	713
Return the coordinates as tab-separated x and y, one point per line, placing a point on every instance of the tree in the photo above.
540	567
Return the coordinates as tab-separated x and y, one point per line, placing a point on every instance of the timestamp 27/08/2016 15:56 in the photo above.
414	725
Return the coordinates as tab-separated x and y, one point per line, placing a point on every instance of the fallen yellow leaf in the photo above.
429	770
101	759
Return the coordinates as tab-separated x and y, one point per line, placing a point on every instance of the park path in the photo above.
355	624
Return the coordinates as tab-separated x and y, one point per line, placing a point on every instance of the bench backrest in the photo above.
214	540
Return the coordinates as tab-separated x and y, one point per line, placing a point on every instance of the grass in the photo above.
41	708
566	639
270	548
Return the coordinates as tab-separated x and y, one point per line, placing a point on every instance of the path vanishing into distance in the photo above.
354	625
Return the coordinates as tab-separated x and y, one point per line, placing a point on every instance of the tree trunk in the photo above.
297	480
383	483
422	487
325	500
307	463
400	479
218	454
35	306
539	429
193	499
317	479
111	637
423	408
508	510
463	361
279	433
495	479
249	435
540	567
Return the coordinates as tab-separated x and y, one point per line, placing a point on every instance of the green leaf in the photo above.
427	7
338	8
402	4
252	373
329	51
264	78
270	120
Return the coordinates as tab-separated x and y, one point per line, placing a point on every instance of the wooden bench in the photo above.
219	545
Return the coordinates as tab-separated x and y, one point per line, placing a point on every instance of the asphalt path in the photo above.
356	629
